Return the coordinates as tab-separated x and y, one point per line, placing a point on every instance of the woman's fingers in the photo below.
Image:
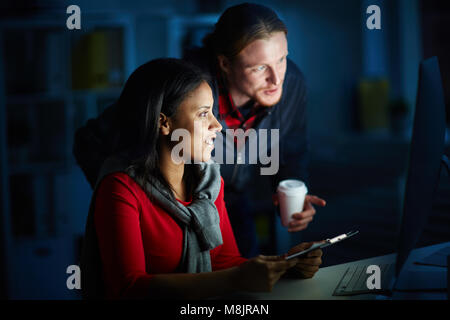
315	254
316	261
279	264
307	268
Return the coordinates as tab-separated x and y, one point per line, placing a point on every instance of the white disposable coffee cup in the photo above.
291	196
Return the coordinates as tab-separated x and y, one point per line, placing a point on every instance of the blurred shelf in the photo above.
53	80
38	168
52	20
193	26
113	92
33	98
43	103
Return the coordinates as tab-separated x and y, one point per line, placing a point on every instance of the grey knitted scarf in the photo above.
199	220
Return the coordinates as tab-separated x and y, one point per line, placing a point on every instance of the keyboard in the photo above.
355	277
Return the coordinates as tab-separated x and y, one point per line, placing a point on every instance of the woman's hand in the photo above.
306	266
262	272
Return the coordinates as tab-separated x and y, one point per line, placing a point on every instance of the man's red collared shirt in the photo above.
234	118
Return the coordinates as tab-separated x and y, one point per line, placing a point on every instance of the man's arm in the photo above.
94	142
294	146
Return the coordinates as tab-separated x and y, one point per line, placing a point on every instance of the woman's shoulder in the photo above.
117	178
119	183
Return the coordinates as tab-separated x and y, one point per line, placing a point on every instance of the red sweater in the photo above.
137	239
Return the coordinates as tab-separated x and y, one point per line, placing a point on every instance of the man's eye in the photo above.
282	59
260	68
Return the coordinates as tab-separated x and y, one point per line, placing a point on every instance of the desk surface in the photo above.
322	285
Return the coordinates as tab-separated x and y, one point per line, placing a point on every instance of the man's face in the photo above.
258	71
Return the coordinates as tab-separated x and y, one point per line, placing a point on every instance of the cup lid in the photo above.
291	186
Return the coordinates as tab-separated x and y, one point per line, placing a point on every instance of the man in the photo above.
255	86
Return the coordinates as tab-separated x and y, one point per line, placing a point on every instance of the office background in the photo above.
362	89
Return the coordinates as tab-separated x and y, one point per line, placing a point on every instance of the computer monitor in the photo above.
425	157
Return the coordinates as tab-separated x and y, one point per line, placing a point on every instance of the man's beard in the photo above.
261	102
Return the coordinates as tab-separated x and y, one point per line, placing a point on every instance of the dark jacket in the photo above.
94	142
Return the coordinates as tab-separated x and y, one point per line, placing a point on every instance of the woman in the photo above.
158	226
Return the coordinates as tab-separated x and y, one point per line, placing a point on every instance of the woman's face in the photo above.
194	119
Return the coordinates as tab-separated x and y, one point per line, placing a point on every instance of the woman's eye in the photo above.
204	114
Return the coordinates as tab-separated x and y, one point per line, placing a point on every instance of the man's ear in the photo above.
224	64
164	124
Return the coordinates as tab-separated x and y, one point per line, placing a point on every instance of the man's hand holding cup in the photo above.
296	206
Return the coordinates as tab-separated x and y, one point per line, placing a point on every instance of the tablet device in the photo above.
323	244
